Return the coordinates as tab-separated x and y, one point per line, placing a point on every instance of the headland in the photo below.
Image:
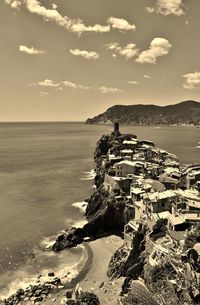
151	204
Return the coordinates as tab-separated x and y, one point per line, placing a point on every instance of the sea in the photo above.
46	172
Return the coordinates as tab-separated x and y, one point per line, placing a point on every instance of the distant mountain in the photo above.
187	112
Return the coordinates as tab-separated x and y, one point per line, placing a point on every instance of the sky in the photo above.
67	60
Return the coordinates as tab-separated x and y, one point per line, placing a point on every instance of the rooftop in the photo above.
130	142
161	195
177	235
176	219
161	215
189	194
127	151
131	163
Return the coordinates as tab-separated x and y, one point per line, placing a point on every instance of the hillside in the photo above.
187	112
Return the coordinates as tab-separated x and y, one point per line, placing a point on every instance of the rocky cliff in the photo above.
187	112
103	214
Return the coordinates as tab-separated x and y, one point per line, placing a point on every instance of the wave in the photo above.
82	205
47	243
89	175
66	265
198	146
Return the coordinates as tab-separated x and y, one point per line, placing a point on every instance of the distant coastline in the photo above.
184	113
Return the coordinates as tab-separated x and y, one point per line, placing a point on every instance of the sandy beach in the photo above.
103	249
94	277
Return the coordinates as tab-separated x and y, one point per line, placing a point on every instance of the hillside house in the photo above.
129	231
130	144
160	201
117	184
126	167
127	153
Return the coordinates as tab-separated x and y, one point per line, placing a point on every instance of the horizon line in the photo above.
7	122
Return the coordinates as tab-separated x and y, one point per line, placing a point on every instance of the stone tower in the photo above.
116	129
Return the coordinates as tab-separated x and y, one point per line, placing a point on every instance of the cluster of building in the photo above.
153	186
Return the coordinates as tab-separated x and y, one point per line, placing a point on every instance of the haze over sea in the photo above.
44	169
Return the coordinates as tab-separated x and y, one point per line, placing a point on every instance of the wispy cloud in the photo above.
47	83
44	93
192	80
59	85
85	54
158	47
80	27
31	51
129	51
133	82
147	76
76	26
121	24
105	90
167	7
75	86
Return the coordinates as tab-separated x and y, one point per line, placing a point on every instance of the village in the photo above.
162	194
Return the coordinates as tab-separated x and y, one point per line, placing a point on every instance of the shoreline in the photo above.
57	283
82	273
92	277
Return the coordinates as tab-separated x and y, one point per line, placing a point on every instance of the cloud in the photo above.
43	93
158	47
192	80
31	51
150	10
85	54
35	7
121	24
80	27
54	6
147	76
76	26
75	86
47	83
112	46
167	7
105	90
133	82
14	3
129	51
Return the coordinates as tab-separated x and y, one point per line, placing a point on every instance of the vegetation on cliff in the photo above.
187	112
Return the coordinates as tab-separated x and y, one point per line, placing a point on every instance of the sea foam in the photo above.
88	175
82	205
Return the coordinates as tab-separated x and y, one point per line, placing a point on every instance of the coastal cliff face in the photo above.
129	263
103	213
187	112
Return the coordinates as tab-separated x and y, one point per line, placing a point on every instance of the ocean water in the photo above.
45	169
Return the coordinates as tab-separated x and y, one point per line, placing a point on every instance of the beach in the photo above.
97	279
93	276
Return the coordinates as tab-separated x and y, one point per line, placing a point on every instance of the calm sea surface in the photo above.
44	169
